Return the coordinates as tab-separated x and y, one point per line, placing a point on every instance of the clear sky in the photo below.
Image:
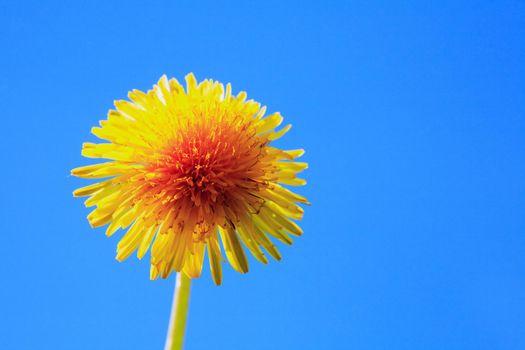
413	120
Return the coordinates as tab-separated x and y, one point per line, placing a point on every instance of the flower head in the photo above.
188	168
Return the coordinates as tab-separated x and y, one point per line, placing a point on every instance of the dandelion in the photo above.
189	169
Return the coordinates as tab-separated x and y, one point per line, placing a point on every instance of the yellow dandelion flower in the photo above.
188	169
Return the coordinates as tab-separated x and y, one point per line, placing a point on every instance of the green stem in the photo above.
179	313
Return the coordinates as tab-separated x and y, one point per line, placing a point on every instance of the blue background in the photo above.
413	118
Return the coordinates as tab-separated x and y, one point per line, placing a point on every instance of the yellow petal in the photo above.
215	258
268	123
146	241
268	227
193	266
274	135
234	251
91	189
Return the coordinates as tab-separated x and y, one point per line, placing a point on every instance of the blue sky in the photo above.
413	118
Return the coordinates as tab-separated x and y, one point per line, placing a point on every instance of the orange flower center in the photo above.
212	171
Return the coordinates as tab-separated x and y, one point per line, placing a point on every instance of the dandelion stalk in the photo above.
179	313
